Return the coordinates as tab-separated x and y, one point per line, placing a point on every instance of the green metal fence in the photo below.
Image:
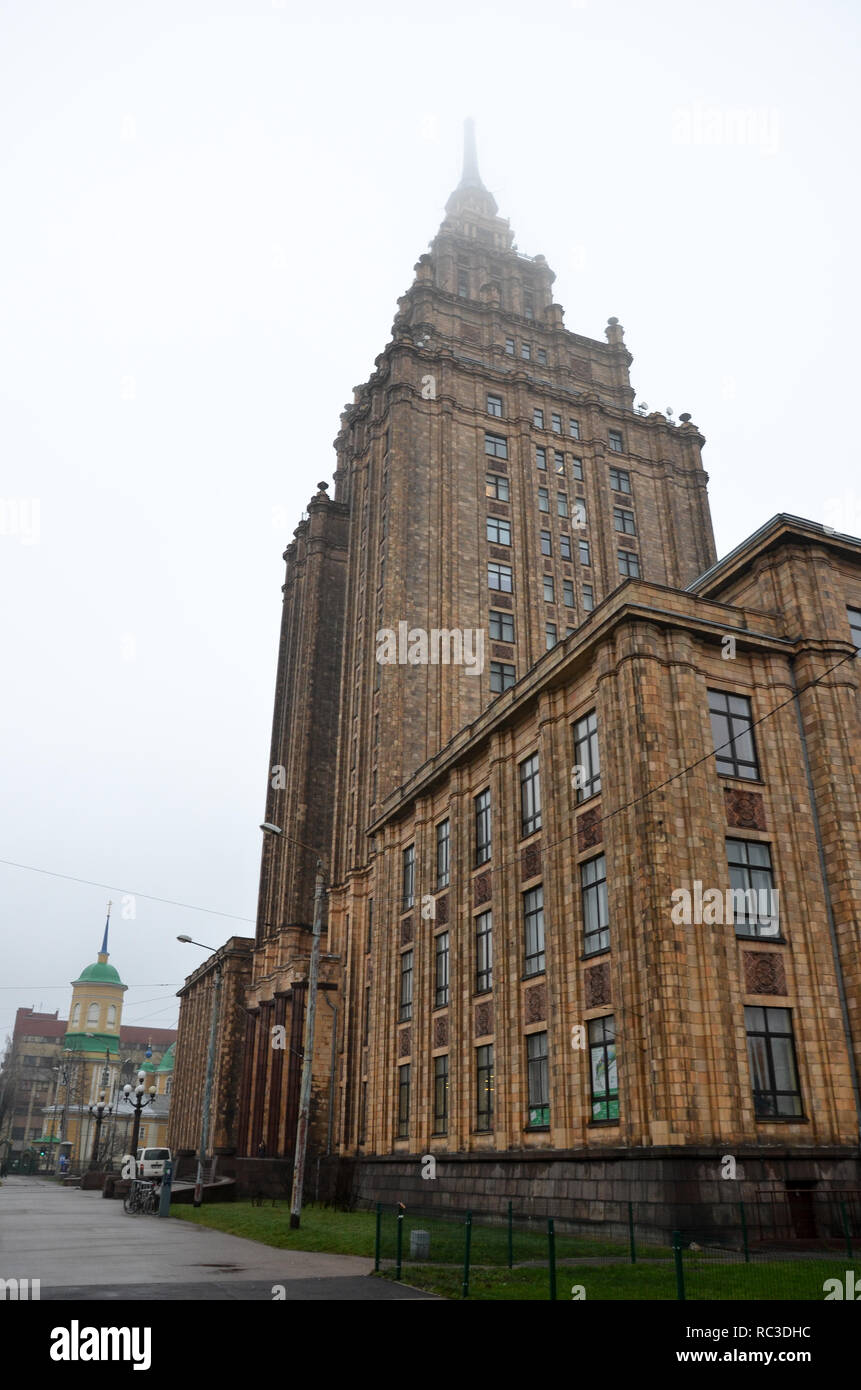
747	1253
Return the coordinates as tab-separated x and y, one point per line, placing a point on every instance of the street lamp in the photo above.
210	1068
304	1121
142	1097
98	1111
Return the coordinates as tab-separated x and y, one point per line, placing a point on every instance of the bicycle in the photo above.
142	1198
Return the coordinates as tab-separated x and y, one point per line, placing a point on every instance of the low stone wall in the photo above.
669	1190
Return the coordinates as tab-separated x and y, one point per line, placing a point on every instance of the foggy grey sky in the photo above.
209	214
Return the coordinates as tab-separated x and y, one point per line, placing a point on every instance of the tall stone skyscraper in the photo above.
522	715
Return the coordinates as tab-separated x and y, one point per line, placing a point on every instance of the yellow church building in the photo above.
98	1057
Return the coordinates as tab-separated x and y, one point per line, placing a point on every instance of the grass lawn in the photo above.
352	1233
322	1228
704	1279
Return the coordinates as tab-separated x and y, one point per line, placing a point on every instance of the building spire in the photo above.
471	192
103	953
470	178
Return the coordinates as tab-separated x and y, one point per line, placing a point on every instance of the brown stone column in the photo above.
243	1143
275	1083
294	1065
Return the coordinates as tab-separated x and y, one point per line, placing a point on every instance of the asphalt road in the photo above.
80	1246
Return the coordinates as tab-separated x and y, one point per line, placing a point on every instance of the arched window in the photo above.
76	1016
112	1015
93	1014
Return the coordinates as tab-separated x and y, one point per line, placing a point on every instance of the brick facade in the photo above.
483	412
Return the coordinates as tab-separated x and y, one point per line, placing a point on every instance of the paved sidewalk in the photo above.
76	1241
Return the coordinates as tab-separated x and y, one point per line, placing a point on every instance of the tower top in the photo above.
103	953
471	192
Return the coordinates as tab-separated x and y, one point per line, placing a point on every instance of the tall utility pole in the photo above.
308	1056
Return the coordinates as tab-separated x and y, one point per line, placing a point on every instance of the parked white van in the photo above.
150	1162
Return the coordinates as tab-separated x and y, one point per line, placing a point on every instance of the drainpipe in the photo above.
829	908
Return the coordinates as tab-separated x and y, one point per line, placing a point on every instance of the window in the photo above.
546	547
482	827
528	309
732	731
501	626
443	854
559	461
549	592
584	553
588	598
496	485
602	1068
441	968
509	346
484	1086
530	796
526	351
499	577
541	356
370	937
773	1066
76	1016
463	284
494	406
577	469
568	593
502	676
93	1014
543	500
562	503
533	931
629	564
363	1114
574	428
620	480
440	1095
556	423
483	952
366	1027
615	437
406	1001
404	1101
586	756
537	1080
855	626
623	521
550	638
538	418
565	547
496	445
541	458
112	1016
593	893
498	531
579	519
408	878
754	900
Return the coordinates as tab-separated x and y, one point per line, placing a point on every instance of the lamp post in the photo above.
98	1111
304	1121
142	1098
210	1068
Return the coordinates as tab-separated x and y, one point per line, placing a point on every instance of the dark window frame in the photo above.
767	1101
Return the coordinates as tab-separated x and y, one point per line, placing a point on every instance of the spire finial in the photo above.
470	178
104	950
470	182
470	159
